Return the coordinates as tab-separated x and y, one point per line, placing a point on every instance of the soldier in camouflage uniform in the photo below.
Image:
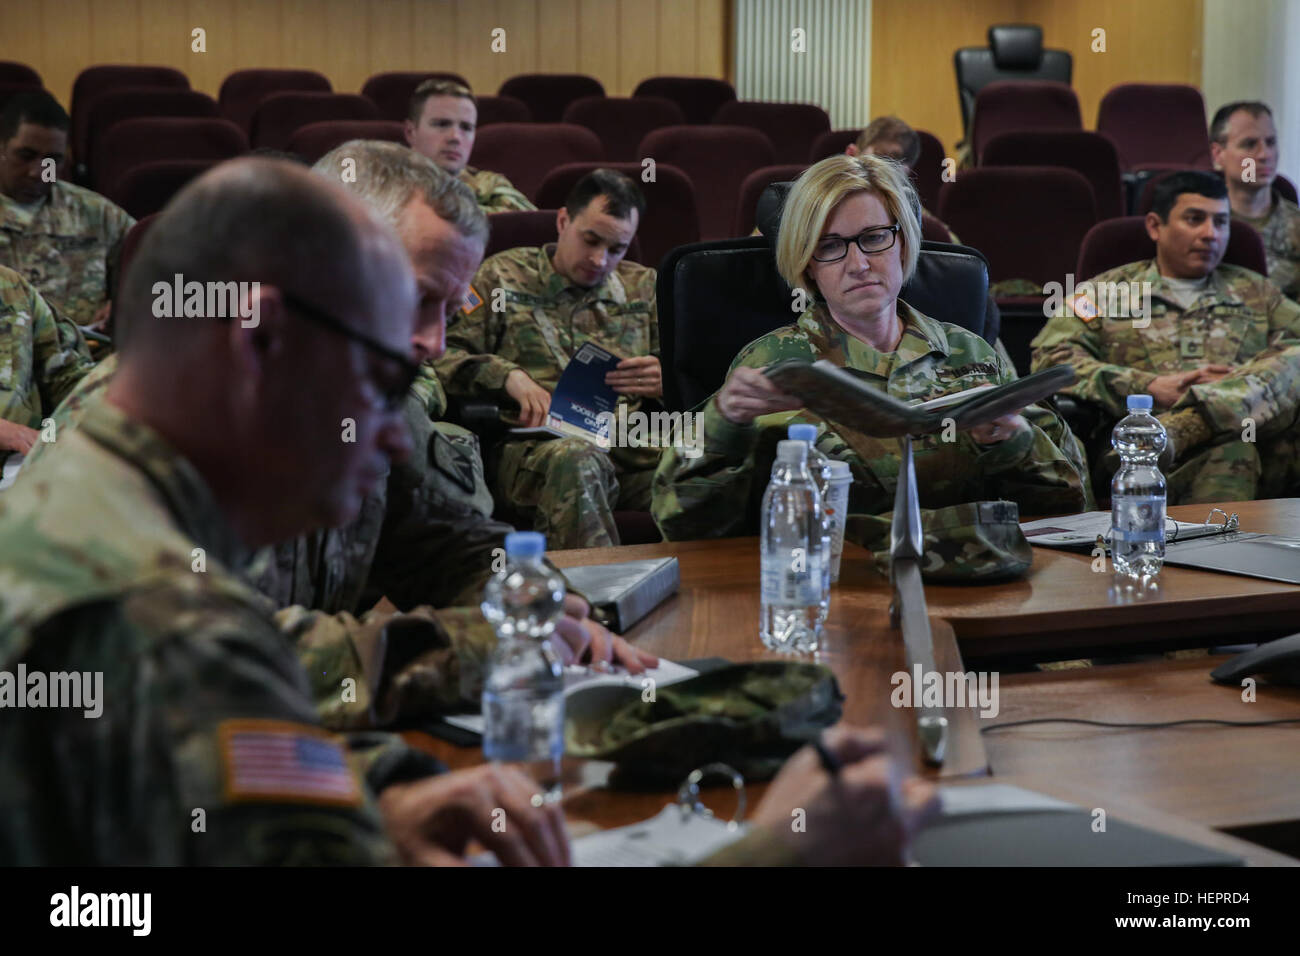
42	357
1219	353
64	239
1244	145
529	310
441	125
858	323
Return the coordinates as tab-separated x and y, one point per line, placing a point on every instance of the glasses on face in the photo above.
871	241
395	389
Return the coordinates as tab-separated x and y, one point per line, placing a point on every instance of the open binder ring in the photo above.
688	794
1230	521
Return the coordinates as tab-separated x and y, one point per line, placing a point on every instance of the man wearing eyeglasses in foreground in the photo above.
850	233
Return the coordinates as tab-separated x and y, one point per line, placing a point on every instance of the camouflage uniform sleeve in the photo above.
1067	339
468	369
61	358
1043	469
500	195
705	496
1265	389
193	685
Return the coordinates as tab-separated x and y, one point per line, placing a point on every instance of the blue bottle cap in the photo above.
806	433
525	544
1139	402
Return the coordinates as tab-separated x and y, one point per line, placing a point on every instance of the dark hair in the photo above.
1167	191
891	129
1219	125
621	194
34	106
436	87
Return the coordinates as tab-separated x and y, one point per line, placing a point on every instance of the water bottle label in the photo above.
783	585
1137	518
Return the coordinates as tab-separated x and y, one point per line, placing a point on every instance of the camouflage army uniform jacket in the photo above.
66	247
422	538
1240	320
542	321
42	356
494	192
115	559
717	494
1280	230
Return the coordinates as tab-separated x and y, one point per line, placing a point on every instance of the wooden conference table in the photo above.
1183	780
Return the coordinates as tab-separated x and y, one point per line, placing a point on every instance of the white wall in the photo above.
1251	54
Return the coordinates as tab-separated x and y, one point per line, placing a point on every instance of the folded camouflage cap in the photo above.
751	716
978	541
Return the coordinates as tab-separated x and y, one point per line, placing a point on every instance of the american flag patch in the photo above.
1084	308
472	301
273	760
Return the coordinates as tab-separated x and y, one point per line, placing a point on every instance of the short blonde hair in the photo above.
822	187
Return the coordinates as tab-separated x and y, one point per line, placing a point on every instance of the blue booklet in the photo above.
582	404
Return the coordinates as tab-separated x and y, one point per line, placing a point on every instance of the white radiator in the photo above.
834	72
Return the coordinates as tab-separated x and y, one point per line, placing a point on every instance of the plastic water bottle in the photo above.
792	554
1137	492
819	467
523	694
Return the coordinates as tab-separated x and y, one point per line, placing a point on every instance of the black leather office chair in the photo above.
1015	52
716	297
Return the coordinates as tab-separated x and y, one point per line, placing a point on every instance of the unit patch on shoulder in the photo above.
1084	307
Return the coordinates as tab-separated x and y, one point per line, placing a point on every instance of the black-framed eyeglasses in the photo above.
871	241
394	392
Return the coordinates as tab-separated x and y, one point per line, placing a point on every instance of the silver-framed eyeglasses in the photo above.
871	241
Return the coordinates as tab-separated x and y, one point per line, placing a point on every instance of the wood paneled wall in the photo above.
913	42
620	42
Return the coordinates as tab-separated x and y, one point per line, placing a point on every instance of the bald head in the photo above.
289	417
257	220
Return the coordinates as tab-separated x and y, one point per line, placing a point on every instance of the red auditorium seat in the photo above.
144	189
1154	125
13	89
622	122
670	217
510	230
832	143
752	187
717	159
1091	154
391	92
1027	220
95	80
279	114
19	74
314	140
133	102
547	95
1284	187
134	142
790	127
698	96
932	229
525	152
1015	105
243	90
501	109
1117	242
